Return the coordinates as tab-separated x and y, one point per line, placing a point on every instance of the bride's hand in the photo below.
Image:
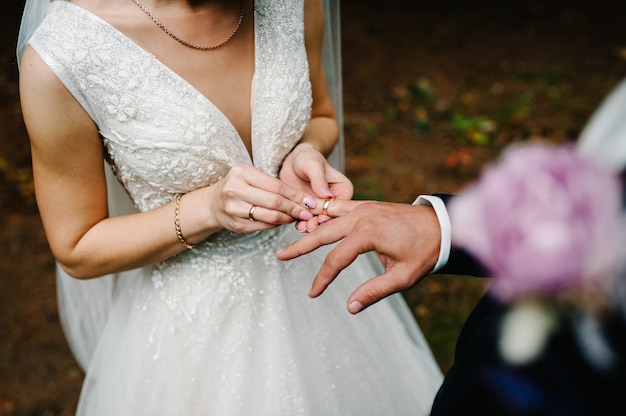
307	170
247	199
327	210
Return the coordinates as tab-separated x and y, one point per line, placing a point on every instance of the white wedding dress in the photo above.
226	328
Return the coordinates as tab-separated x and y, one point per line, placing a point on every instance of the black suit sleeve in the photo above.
460	261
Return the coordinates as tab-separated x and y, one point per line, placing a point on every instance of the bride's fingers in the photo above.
342	190
260	213
251	186
340	186
272	208
326	211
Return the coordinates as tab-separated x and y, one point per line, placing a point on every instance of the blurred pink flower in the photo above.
542	219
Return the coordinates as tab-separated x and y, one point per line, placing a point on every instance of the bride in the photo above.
214	117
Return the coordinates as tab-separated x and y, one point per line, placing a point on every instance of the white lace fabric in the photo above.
178	139
224	329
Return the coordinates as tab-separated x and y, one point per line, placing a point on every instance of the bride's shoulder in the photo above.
35	71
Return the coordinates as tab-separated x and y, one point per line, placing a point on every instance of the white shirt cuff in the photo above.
444	224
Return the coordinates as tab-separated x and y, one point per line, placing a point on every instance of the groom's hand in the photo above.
406	238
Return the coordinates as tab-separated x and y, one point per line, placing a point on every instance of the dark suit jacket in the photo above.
563	380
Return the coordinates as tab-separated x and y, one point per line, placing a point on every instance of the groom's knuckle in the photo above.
367	207
365	227
333	259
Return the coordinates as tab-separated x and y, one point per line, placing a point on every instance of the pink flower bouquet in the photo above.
543	220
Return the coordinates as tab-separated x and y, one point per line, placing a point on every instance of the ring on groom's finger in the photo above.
325	206
251	213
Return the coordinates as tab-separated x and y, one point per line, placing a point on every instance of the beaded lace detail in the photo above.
161	135
226	328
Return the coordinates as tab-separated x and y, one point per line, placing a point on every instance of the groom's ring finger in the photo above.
251	213
325	206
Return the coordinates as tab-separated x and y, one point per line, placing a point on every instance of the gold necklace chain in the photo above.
184	42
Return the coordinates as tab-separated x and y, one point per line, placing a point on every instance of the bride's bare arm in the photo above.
323	130
68	166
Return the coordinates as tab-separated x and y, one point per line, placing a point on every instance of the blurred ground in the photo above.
433	90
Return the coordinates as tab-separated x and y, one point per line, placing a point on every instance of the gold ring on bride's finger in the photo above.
251	213
325	206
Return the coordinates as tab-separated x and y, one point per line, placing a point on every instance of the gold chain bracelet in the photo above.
179	232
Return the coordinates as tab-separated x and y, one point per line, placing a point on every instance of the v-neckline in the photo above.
119	34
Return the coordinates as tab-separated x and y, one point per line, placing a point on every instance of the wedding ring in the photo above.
325	206
251	213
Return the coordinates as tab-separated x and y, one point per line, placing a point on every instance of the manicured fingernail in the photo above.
305	216
301	226
310	203
322	219
327	192
355	307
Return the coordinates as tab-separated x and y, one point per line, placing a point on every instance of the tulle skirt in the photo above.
227	329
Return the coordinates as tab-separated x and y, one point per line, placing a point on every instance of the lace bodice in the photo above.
226	328
160	134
